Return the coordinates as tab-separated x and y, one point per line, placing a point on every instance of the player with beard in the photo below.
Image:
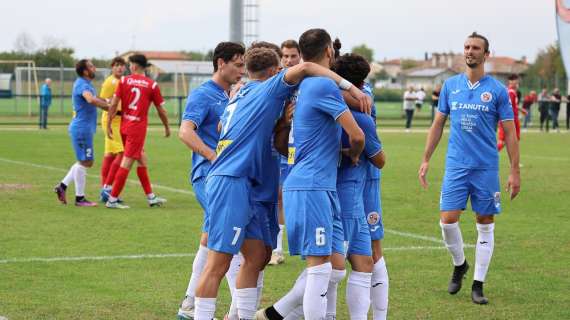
476	104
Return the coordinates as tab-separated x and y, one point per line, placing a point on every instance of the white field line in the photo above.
161	256
41	166
420	237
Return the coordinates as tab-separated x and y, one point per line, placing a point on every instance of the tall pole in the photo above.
236	21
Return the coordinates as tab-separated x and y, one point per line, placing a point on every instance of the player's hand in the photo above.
109	132
166	132
363	99
236	88
422	174
355	159
514	183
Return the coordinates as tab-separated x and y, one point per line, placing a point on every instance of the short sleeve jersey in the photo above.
373	172
247	127
84	113
136	93
108	88
317	135
204	107
475	110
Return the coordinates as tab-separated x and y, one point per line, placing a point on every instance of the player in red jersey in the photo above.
136	92
512	89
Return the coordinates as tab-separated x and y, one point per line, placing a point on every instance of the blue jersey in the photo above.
289	160
204	108
317	135
373	171
268	189
474	111
84	114
372	146
247	128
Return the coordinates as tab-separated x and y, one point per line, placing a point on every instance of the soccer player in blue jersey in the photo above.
199	131
246	129
476	103
81	129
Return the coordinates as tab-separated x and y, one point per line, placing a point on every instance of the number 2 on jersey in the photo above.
133	104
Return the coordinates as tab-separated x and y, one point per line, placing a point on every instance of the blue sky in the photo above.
393	28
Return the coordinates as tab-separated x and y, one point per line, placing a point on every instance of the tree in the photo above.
24	43
364	51
547	70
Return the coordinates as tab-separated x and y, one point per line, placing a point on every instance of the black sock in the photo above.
477	285
63	186
272	314
79	198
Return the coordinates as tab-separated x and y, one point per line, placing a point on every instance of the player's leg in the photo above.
454	195
114	150
84	153
119	183
142	173
338	262
360	257
277	257
254	260
486	201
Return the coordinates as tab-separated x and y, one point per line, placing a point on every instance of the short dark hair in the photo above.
226	51
353	67
268	45
336	46
513	77
81	66
260	59
118	61
290	44
313	44
479	36
139	59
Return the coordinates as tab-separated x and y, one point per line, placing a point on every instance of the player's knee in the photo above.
449	217
86	163
204	239
216	270
487	219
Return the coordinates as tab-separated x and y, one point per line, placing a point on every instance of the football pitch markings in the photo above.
183	255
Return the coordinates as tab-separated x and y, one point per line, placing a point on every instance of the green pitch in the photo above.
62	262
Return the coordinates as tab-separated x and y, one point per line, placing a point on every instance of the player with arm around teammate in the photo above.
476	103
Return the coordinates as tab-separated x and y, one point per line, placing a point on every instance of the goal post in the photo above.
31	73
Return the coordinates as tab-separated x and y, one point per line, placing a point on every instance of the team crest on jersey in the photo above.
497	198
373	218
486	96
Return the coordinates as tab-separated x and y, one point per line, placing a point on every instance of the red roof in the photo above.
160	55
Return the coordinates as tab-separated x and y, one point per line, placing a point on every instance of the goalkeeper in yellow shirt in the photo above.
113	147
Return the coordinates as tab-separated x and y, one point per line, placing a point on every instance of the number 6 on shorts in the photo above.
320	236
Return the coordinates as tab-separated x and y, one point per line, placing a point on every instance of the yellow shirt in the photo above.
107	90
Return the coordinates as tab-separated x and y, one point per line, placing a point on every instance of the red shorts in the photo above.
134	145
517	130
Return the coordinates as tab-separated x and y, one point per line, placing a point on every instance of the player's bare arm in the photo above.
433	138
295	74
354	103
514	181
94	100
355	135
192	140
282	130
379	159
164	119
111	114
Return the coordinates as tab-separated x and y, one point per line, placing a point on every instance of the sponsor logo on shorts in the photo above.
373	218
497	198
486	96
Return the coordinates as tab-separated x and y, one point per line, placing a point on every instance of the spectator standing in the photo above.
435	100
568	112
420	96
543	106
528	101
409	101
45	102
556	100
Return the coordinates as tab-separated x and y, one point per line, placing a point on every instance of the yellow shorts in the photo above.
114	145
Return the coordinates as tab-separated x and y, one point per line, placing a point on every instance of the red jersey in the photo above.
514	102
136	93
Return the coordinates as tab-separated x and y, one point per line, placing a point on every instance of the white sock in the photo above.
259	289
231	277
107	187
453	241
150	196
358	294
197	268
205	308
294	298
70	174
336	277
379	290
246	302
484	250
315	298
79	177
296	314
279	247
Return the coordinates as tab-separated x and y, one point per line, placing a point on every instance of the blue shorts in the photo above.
82	145
373	208
357	236
313	222
267	213
231	217
199	186
481	185
284	170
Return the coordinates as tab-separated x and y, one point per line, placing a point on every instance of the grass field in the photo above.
63	262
